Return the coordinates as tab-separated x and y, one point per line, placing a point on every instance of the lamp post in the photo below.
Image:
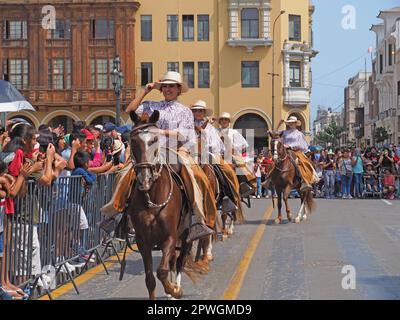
117	79
273	74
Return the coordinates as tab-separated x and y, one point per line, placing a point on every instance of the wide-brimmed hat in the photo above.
117	146
202	105
293	119
224	115
172	77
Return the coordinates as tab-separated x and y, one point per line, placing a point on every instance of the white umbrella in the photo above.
11	100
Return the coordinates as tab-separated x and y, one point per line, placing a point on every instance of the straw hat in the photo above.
225	115
293	119
172	77
201	105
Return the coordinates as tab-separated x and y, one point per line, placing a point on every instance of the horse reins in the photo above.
276	156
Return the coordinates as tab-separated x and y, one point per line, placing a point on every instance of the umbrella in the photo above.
11	100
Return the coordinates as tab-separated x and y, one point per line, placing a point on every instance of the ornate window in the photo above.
249	23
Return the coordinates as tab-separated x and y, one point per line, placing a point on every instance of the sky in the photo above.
342	51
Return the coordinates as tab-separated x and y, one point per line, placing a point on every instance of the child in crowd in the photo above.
370	176
81	163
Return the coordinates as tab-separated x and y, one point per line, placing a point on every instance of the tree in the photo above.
331	134
381	134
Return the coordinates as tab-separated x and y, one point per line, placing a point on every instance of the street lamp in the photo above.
273	69
117	79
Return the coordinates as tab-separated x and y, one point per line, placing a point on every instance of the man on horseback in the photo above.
294	140
210	150
235	144
177	126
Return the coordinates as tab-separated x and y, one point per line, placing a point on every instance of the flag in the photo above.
369	49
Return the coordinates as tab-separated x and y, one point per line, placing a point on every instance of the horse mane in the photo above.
144	118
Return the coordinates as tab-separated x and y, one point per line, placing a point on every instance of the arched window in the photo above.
65	121
25	118
102	120
259	125
250	22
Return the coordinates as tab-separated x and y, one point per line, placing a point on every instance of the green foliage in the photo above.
381	134
330	134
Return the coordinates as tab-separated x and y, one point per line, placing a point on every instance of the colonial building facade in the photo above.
65	72
227	51
224	49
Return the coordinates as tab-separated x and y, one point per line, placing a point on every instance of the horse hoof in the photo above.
210	257
289	217
177	293
278	221
304	218
297	220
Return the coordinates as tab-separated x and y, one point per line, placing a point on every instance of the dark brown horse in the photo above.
156	209
284	178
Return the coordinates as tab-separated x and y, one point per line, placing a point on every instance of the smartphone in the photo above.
109	157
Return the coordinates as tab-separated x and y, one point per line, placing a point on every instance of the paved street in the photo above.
290	261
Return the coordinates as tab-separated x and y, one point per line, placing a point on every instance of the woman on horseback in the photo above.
295	140
176	126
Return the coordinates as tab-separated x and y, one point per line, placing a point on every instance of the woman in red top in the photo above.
21	146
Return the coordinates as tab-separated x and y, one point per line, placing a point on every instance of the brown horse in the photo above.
157	209
205	244
284	178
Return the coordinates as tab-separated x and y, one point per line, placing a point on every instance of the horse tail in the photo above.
309	202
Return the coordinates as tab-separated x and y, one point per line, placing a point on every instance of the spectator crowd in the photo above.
43	155
344	173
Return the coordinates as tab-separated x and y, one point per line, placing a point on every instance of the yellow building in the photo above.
224	49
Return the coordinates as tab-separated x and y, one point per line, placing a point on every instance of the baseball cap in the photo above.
109	126
88	134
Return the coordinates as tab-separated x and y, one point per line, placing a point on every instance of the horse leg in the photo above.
168	252
224	217
305	206
209	250
286	193
278	220
299	215
148	268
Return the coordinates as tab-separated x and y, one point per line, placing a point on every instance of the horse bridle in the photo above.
276	157
155	174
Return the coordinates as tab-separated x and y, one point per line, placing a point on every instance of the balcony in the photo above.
250	44
296	96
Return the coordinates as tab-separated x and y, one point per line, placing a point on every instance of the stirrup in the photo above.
305	187
245	190
228	205
198	231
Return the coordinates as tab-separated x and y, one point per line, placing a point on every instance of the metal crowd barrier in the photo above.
46	231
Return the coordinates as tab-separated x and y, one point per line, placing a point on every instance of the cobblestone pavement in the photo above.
292	261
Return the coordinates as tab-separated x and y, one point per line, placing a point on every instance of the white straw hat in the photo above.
172	77
201	105
293	119
224	115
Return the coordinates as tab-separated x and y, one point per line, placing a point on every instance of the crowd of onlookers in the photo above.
345	173
43	155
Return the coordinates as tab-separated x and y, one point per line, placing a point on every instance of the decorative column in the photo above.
233	23
266	19
286	70
306	69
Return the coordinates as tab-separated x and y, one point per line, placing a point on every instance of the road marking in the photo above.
233	289
387	202
86	276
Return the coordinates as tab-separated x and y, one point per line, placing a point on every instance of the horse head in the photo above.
145	148
277	148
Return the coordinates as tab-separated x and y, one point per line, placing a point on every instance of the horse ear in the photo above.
270	133
281	134
134	117
154	117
